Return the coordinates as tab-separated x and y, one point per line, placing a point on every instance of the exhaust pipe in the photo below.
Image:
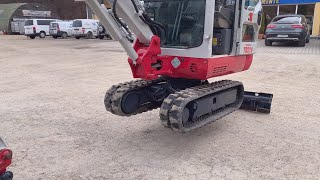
258	102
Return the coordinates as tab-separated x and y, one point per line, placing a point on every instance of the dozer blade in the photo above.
258	102
198	106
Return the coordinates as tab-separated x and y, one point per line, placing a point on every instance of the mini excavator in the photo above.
179	45
5	161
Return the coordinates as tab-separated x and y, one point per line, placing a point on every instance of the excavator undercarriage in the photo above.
184	104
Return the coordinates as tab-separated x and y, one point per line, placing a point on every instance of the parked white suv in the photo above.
61	29
37	27
85	28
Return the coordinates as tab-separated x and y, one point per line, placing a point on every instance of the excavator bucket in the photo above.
258	102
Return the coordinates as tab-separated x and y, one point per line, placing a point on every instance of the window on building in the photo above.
308	11
270	11
287	9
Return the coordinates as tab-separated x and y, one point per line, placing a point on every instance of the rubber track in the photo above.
173	106
114	96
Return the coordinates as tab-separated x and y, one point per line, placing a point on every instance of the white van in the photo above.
85	28
61	29
37	27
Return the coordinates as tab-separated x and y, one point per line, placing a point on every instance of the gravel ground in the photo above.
53	117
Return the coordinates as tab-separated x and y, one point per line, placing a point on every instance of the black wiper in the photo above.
175	46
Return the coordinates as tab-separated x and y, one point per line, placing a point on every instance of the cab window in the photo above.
248	33
251	3
183	21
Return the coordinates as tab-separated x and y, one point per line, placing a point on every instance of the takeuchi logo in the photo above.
270	1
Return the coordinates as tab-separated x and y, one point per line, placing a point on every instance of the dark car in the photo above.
288	28
5	161
102	32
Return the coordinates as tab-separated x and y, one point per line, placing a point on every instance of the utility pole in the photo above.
87	10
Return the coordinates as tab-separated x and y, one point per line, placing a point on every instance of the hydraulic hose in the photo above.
117	17
155	27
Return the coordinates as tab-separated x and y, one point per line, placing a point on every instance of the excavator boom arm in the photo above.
127	11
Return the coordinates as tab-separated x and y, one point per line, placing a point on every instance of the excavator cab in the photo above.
183	22
205	28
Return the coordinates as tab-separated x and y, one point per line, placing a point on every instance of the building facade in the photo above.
309	8
13	15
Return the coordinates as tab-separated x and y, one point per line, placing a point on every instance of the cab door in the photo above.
250	21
